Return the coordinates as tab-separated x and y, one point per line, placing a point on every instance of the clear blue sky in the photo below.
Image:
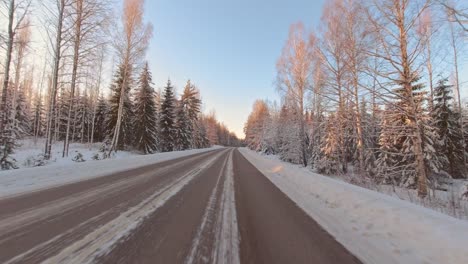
227	48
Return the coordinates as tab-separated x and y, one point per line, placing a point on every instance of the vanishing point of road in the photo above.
213	207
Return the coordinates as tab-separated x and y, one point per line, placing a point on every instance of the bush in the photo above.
78	157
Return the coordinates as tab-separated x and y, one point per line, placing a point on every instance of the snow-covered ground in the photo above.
64	170
376	227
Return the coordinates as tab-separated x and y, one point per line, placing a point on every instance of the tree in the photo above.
397	157
62	6
255	126
130	43
187	116
449	132
101	111
89	18
183	129
17	11
120	111
167	119
145	114
393	23
294	68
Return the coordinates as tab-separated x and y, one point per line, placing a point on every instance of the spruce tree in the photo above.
126	134
145	114
37	128
449	132
7	136
329	162
183	128
100	118
397	158
22	116
187	114
167	119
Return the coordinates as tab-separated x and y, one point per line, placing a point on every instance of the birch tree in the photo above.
394	23
130	43
17	11
294	69
90	17
59	16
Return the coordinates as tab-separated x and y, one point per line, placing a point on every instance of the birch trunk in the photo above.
53	98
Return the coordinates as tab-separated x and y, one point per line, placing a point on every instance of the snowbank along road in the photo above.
212	207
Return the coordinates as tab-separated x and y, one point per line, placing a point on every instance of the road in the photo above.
213	207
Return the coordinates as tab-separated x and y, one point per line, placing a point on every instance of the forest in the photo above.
375	91
54	56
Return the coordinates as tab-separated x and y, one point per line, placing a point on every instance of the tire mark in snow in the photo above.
197	252
60	207
220	217
102	240
227	238
48	246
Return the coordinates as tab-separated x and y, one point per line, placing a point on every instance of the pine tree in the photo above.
167	119
145	114
449	132
126	133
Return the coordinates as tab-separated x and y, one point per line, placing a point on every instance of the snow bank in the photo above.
14	182
377	228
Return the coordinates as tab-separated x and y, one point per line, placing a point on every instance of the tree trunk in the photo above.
76	50
6	80
53	98
407	79
96	99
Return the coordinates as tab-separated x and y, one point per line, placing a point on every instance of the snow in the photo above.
375	227
102	240
65	171
227	237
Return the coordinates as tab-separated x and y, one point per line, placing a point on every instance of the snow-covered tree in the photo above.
449	132
126	133
329	162
397	161
256	125
100	118
145	114
167	119
182	126
187	112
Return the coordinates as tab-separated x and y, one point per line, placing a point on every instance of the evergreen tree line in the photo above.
64	100
152	121
365	95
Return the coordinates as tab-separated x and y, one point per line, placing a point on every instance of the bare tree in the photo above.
394	23
21	45
456	14
333	56
131	44
60	15
17	11
294	69
89	19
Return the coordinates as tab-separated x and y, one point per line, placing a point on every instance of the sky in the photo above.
228	48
